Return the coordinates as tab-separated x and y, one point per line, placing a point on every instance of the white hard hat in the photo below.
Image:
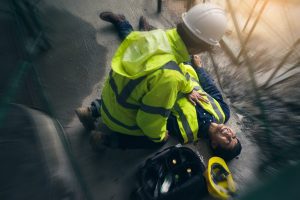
207	22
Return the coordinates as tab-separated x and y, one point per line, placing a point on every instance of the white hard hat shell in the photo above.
207	22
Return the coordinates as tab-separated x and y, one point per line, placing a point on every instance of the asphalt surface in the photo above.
71	74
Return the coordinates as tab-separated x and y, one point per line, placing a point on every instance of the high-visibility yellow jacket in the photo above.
144	82
185	112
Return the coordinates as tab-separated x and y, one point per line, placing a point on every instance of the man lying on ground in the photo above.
204	119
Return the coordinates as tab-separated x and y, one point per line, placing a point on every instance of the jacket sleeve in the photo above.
156	104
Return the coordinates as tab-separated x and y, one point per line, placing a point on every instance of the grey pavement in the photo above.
74	71
72	74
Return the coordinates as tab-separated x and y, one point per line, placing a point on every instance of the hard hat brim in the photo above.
198	33
212	186
214	43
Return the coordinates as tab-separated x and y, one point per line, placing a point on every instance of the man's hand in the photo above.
196	60
195	97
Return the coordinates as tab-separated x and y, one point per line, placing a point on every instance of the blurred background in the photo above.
55	56
258	70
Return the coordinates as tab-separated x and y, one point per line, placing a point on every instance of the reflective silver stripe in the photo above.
127	90
156	110
173	66
122	98
216	109
113	83
187	76
195	80
185	124
197	88
117	121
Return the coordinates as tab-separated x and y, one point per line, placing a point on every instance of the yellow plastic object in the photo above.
219	180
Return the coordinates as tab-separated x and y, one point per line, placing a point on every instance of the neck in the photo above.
191	41
183	34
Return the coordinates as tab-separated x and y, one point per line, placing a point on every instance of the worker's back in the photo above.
144	83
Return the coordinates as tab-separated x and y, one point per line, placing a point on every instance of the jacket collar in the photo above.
178	47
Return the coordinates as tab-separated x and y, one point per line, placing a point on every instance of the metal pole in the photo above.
281	81
250	68
190	3
250	16
215	69
253	27
263	115
287	55
228	51
159	5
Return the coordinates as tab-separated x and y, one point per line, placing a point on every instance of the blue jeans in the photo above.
123	29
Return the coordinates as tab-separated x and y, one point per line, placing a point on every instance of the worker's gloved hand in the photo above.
195	97
196	61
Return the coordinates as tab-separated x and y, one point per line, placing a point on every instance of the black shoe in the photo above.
144	25
111	17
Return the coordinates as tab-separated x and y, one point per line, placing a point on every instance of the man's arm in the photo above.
209	86
163	88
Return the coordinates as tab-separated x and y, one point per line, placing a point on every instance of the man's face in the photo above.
222	135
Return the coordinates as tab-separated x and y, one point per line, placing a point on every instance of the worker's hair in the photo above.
227	154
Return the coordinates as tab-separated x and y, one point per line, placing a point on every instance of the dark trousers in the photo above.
123	29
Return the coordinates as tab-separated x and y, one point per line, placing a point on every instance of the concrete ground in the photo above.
72	72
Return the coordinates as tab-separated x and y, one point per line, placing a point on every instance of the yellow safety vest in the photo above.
185	111
144	83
